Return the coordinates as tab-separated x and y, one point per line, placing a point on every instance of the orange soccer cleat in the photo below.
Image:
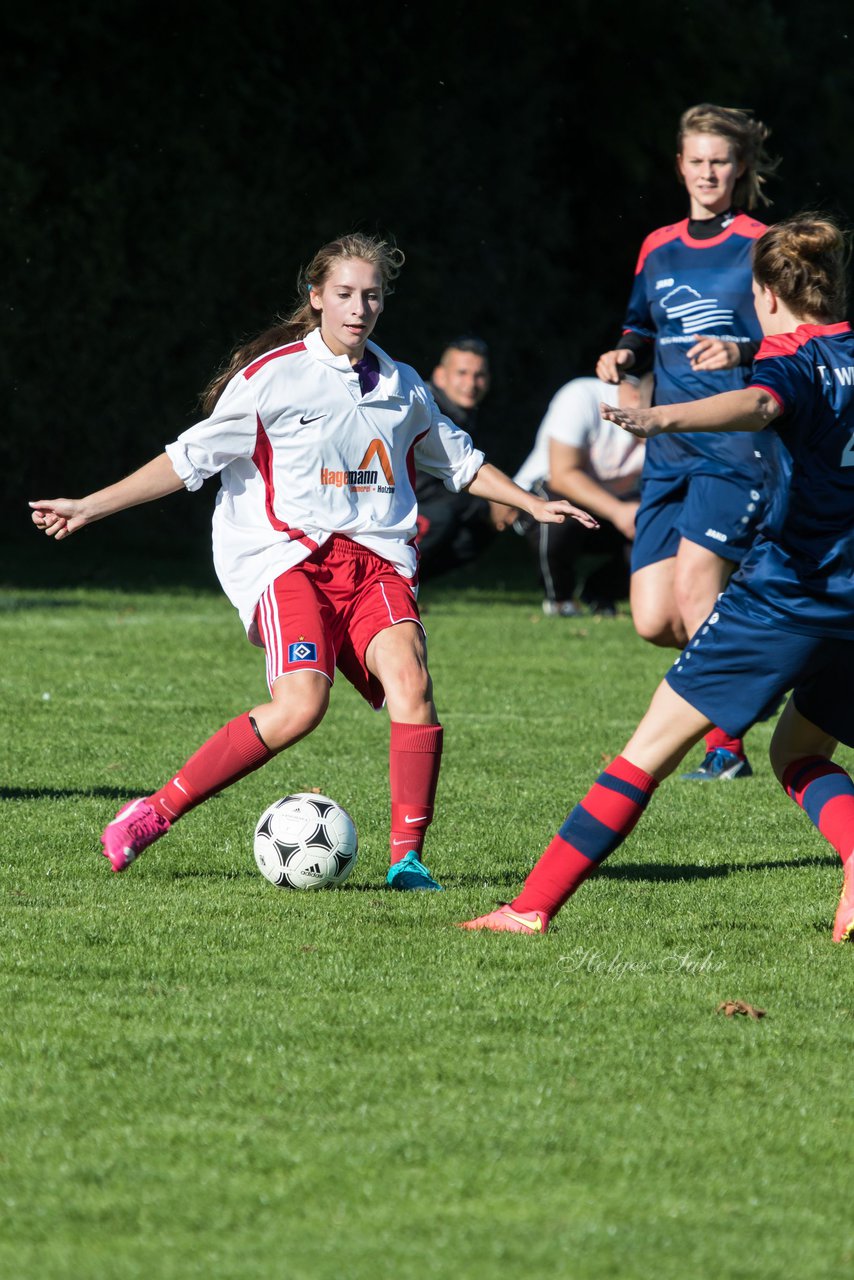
843	925
506	920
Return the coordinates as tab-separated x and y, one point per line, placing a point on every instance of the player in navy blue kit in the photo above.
786	620
691	315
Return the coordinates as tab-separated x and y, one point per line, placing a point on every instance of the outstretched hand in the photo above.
58	517
556	511
639	422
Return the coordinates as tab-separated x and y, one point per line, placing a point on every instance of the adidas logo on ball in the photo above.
305	841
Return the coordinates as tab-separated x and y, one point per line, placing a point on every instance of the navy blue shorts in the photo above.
717	512
737	670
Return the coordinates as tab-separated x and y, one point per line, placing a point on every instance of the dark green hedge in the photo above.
166	169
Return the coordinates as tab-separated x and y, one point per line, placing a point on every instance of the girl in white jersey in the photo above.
314	432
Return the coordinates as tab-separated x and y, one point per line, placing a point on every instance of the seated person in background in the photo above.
454	528
578	455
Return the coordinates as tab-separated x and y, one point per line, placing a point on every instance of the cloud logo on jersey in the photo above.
302	651
364	477
695	313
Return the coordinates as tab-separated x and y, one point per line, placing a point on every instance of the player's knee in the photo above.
658	629
408	687
293	714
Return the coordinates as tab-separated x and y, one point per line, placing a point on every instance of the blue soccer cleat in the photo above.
409	873
720	765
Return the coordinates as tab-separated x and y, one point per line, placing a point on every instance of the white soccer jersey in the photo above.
573	418
302	454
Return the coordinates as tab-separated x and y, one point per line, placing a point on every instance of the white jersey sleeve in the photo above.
230	432
446	451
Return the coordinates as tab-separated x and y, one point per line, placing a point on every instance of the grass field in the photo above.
204	1076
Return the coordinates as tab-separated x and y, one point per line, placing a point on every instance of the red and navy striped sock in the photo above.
594	829
719	738
825	792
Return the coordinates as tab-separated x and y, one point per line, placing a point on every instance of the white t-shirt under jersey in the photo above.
302	454
616	457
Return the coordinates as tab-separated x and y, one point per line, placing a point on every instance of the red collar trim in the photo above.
786	344
741	224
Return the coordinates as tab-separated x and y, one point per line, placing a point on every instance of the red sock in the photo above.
825	792
415	753
234	750
719	738
594	828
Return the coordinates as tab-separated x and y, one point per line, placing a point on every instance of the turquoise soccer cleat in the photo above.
409	873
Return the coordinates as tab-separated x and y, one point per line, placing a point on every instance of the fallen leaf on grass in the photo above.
729	1007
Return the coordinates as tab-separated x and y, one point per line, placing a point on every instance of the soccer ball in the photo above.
305	841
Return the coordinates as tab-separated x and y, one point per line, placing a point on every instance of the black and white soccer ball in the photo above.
305	841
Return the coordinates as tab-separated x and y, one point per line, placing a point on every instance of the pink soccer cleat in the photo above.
506	920
843	925
134	828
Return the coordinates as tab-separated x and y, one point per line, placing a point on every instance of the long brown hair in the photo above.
304	317
804	260
746	136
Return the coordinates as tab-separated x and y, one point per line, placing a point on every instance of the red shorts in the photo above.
324	613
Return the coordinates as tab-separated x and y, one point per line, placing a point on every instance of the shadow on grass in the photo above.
657	873
249	873
72	793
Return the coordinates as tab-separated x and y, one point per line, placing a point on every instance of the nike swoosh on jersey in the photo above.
304	421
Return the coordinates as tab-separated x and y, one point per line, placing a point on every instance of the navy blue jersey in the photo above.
683	288
800	571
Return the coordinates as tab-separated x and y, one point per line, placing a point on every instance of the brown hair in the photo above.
305	317
804	260
746	136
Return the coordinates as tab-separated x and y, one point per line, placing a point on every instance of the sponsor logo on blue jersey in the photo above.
695	313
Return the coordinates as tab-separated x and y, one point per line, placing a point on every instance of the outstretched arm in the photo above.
748	410
60	517
494	485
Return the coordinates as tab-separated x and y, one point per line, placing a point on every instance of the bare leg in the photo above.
298	704
669	729
795	737
397	656
654	610
698	579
